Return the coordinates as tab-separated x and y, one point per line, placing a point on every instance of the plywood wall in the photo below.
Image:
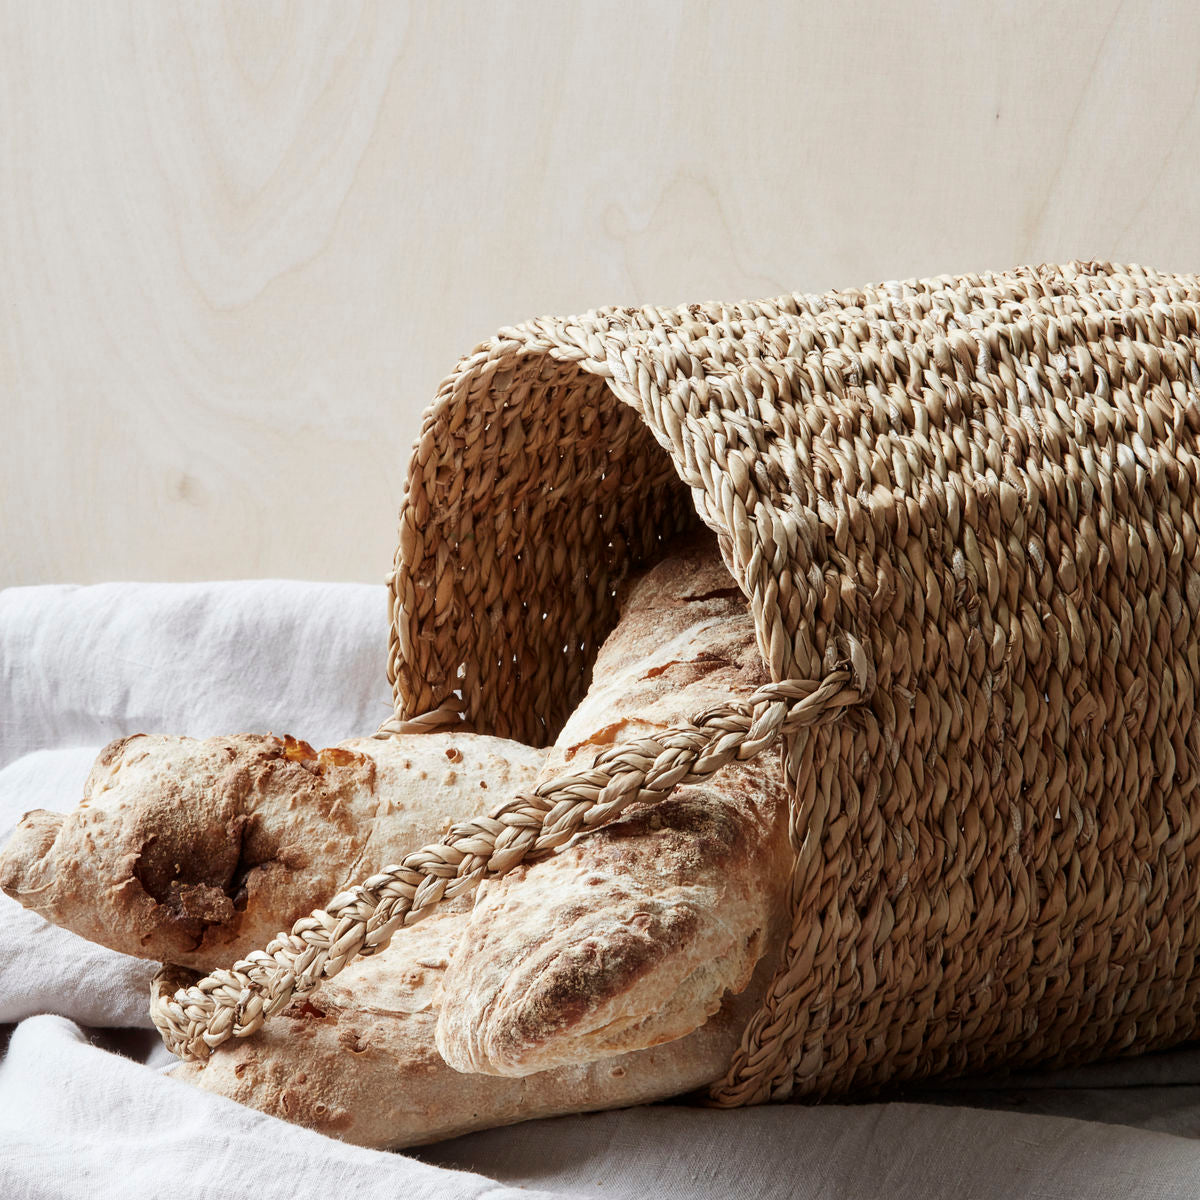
241	243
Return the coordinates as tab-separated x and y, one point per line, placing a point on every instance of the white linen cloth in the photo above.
85	1110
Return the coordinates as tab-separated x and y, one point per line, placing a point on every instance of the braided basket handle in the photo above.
196	1015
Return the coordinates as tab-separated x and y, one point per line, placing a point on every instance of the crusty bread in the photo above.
633	935
357	1060
197	851
619	970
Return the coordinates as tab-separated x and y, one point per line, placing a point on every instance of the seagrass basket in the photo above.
964	513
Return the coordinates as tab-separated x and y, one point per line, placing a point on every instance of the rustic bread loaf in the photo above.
357	1059
633	934
197	851
619	970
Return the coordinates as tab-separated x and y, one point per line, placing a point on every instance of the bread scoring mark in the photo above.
702	659
354	1041
115	749
697	828
200	902
585	968
582	977
201	872
307	1009
721	593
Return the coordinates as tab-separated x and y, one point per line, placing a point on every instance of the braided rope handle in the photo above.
447	715
195	1016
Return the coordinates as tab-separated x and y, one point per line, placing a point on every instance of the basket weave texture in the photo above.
965	514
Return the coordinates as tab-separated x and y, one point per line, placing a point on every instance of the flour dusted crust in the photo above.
620	970
197	851
357	1060
634	935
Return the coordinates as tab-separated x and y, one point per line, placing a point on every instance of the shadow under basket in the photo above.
964	513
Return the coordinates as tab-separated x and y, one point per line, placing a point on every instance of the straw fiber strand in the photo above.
964	513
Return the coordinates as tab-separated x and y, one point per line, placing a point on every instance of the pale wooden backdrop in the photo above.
240	243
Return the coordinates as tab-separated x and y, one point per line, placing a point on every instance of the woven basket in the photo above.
965	514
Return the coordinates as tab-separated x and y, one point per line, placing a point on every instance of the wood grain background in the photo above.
240	243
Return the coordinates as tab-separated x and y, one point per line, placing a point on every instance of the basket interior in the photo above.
533	491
